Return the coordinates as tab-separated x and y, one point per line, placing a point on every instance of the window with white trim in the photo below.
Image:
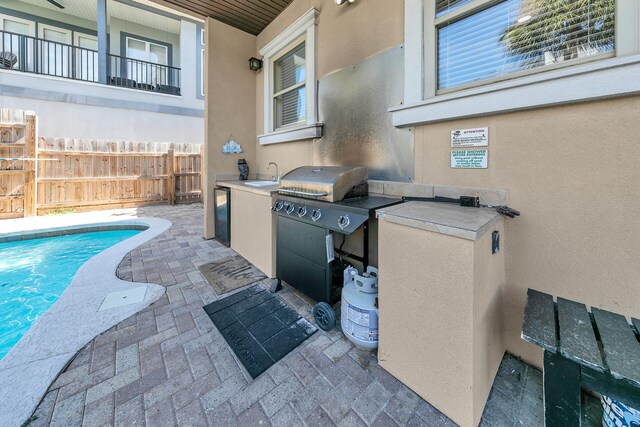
290	85
289	91
12	42
465	58
479	41
155	57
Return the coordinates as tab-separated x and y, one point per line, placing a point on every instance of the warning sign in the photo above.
469	159
478	137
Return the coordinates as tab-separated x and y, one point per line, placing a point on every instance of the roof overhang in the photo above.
251	16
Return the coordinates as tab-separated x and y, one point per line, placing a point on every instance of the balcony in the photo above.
34	55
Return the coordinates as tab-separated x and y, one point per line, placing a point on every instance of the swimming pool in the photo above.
35	272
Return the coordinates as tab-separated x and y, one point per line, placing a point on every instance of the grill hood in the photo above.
328	183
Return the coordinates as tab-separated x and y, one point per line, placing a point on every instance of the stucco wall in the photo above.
345	36
230	106
572	172
72	120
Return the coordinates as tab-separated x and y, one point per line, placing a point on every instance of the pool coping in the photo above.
27	371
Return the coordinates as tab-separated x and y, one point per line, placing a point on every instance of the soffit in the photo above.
251	16
87	10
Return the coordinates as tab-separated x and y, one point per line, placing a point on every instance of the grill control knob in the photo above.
302	211
278	206
343	221
316	214
290	208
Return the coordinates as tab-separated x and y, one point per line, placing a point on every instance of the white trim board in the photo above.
293	31
303	27
596	80
294	134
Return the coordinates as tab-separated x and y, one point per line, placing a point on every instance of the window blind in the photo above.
517	35
289	87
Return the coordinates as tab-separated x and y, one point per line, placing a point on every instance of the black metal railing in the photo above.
34	55
129	72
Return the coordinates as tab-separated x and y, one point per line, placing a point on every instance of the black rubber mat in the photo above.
259	327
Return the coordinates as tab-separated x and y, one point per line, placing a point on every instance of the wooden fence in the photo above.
18	157
88	174
44	174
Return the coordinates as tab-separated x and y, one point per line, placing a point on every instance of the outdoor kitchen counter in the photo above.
458	221
440	301
240	185
252	224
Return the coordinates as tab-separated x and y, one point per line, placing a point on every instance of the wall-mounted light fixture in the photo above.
255	64
348	2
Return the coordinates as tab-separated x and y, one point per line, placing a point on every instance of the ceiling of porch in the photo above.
251	16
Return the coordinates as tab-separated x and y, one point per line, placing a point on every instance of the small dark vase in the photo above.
243	167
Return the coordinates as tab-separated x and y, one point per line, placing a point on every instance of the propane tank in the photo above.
359	308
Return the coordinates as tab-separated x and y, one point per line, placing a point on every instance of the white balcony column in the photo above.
102	41
188	59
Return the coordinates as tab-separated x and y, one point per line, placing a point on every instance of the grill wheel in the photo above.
324	315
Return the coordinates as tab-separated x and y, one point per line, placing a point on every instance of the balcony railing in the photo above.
144	75
34	55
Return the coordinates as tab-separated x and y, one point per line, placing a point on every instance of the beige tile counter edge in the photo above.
442	218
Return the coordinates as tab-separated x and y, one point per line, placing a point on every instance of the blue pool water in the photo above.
34	273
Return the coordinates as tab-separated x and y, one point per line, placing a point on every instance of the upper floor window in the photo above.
290	84
152	54
480	40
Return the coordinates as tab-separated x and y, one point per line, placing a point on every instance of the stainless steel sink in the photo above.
260	183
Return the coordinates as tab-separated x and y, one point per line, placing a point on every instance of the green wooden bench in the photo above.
598	350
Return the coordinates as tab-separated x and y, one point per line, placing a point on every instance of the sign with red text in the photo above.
478	137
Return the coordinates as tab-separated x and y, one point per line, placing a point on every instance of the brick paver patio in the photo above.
168	365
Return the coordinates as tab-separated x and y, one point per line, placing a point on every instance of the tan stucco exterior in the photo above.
230	107
571	170
253	229
345	36
441	302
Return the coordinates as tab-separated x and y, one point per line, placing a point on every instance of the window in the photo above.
22	48
202	62
289	92
290	84
147	72
517	35
54	55
202	72
466	58
86	54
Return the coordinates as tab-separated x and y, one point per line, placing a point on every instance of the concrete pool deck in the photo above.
90	305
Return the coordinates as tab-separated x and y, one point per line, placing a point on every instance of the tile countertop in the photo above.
464	222
240	185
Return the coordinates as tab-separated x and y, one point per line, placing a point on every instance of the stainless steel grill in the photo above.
315	204
327	183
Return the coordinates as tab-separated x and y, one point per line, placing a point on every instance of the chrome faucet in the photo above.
277	177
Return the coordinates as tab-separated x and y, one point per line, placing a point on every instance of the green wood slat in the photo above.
621	347
539	326
561	385
577	339
604	383
636	323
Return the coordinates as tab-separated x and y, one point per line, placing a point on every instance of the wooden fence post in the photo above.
171	178
30	166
